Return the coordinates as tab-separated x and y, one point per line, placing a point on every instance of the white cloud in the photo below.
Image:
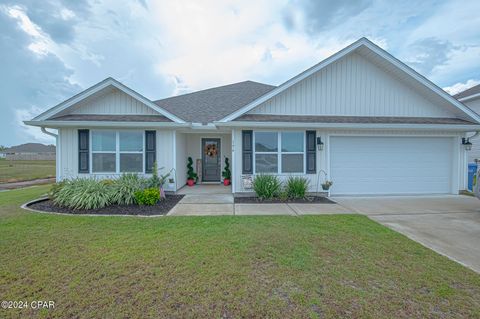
210	44
41	43
31	132
167	47
460	87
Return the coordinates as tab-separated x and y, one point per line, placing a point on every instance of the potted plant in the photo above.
171	183
326	185
191	175
226	173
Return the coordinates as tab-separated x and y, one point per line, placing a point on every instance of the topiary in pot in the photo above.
227	175
191	175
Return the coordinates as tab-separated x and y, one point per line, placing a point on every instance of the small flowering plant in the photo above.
326	185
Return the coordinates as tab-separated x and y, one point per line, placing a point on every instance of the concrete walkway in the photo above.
6	186
223	204
449	224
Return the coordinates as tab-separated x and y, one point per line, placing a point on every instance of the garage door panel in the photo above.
390	165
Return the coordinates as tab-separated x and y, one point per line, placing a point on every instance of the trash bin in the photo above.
472	169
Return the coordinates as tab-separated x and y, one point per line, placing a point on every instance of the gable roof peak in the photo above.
100	86
378	52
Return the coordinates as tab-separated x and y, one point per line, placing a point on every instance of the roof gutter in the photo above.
48	133
362	126
57	124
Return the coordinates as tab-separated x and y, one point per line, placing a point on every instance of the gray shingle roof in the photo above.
31	148
471	91
350	119
111	118
214	104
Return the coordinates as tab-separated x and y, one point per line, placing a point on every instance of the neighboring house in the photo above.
30	152
471	98
366	120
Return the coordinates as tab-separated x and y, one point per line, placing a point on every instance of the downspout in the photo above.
57	153
48	133
474	135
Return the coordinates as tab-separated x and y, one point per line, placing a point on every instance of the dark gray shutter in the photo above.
150	150
247	152
311	159
83	151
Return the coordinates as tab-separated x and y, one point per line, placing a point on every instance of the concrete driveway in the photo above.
448	224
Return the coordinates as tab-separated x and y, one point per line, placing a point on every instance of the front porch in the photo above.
205	189
208	150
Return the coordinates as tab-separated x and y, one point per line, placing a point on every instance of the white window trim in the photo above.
279	153
117	152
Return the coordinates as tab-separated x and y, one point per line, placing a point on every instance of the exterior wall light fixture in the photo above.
320	144
467	144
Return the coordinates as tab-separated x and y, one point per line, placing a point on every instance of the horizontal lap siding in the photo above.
352	86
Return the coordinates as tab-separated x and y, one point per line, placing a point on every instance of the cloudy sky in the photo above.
52	49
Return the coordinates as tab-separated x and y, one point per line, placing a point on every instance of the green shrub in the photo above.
124	188
267	186
83	194
148	196
283	195
55	189
154	181
296	187
227	174
190	173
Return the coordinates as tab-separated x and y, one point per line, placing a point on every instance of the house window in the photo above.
104	152
117	152
292	152
266	152
131	152
279	152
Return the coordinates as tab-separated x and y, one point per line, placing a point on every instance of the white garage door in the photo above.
390	165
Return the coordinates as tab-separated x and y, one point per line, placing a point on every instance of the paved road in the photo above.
449	224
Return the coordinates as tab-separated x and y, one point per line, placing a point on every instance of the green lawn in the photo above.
212	267
15	171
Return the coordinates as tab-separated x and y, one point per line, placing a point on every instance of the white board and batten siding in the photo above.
113	102
352	86
68	153
181	160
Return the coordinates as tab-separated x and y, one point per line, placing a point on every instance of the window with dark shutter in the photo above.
311	158
83	151
150	150
247	152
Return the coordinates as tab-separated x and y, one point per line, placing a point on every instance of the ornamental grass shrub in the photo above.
82	193
124	188
267	186
296	187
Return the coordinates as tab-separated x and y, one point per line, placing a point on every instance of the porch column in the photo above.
233	176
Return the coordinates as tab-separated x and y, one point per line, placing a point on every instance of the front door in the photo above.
211	159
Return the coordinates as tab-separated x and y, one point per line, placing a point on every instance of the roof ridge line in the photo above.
212	88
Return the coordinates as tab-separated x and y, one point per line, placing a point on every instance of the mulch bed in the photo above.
161	208
307	200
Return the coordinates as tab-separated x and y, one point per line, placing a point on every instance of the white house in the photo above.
471	98
361	118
